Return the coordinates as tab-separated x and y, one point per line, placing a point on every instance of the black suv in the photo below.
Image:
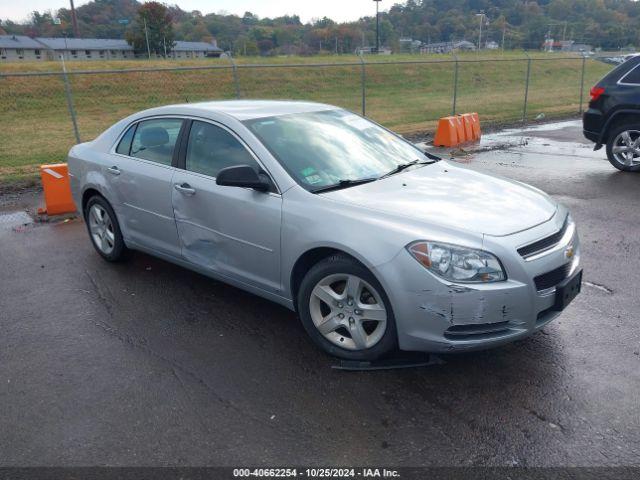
613	117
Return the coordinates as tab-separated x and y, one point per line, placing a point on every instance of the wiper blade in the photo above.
431	156
404	166
343	184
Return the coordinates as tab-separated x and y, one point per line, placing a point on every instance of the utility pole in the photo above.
504	32
377	25
146	36
164	44
74	20
481	15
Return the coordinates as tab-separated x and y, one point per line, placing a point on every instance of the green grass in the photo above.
409	98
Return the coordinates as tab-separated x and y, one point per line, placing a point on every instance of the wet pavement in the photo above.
145	363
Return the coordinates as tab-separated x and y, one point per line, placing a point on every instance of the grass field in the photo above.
407	97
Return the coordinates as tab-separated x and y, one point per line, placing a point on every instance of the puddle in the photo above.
557	141
544	127
15	220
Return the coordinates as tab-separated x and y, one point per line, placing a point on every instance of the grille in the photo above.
544	244
552	278
466	332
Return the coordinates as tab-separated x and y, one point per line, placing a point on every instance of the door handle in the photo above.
185	188
114	170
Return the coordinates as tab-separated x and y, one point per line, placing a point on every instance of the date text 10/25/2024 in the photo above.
315	473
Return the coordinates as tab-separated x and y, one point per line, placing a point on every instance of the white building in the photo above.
86	48
19	47
23	48
195	50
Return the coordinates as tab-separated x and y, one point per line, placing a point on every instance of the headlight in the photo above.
457	264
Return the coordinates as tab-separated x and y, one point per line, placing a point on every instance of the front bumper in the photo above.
436	316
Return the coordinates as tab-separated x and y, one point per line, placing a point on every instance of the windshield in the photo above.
321	149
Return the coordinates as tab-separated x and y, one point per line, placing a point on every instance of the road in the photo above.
145	363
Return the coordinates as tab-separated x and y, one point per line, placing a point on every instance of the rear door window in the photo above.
155	140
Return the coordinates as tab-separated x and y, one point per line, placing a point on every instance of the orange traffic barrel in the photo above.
460	128
468	128
475	126
57	189
447	133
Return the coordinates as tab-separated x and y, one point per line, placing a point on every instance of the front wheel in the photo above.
345	310
623	147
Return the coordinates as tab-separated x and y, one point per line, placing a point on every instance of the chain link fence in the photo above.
45	113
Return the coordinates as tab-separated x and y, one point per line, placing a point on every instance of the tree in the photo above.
250	19
159	30
601	23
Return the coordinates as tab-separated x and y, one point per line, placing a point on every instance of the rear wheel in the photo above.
346	311
104	230
623	147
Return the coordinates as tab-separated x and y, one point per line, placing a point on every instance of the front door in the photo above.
228	230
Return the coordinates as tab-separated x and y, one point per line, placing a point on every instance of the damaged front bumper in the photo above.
436	316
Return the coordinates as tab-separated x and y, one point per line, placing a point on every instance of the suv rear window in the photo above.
620	71
632	77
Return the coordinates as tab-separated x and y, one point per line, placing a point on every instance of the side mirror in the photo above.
243	176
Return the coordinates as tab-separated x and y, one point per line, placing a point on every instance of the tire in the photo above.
616	140
350	332
104	232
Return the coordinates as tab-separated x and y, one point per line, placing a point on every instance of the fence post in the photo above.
363	83
584	60
526	89
455	84
68	94
236	79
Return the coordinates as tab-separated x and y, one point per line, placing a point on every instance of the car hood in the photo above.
455	197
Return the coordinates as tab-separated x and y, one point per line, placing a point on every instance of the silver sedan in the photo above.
376	244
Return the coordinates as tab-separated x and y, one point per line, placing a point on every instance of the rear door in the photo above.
142	169
229	230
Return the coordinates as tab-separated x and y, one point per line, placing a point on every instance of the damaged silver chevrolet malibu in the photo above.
374	243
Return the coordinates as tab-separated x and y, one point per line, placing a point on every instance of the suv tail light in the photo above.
596	92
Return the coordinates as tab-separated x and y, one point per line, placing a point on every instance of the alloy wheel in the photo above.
626	148
101	228
348	311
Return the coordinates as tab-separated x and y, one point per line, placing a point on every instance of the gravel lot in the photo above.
145	363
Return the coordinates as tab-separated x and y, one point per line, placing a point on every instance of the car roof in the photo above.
243	109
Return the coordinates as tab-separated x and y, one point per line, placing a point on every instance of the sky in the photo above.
339	10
